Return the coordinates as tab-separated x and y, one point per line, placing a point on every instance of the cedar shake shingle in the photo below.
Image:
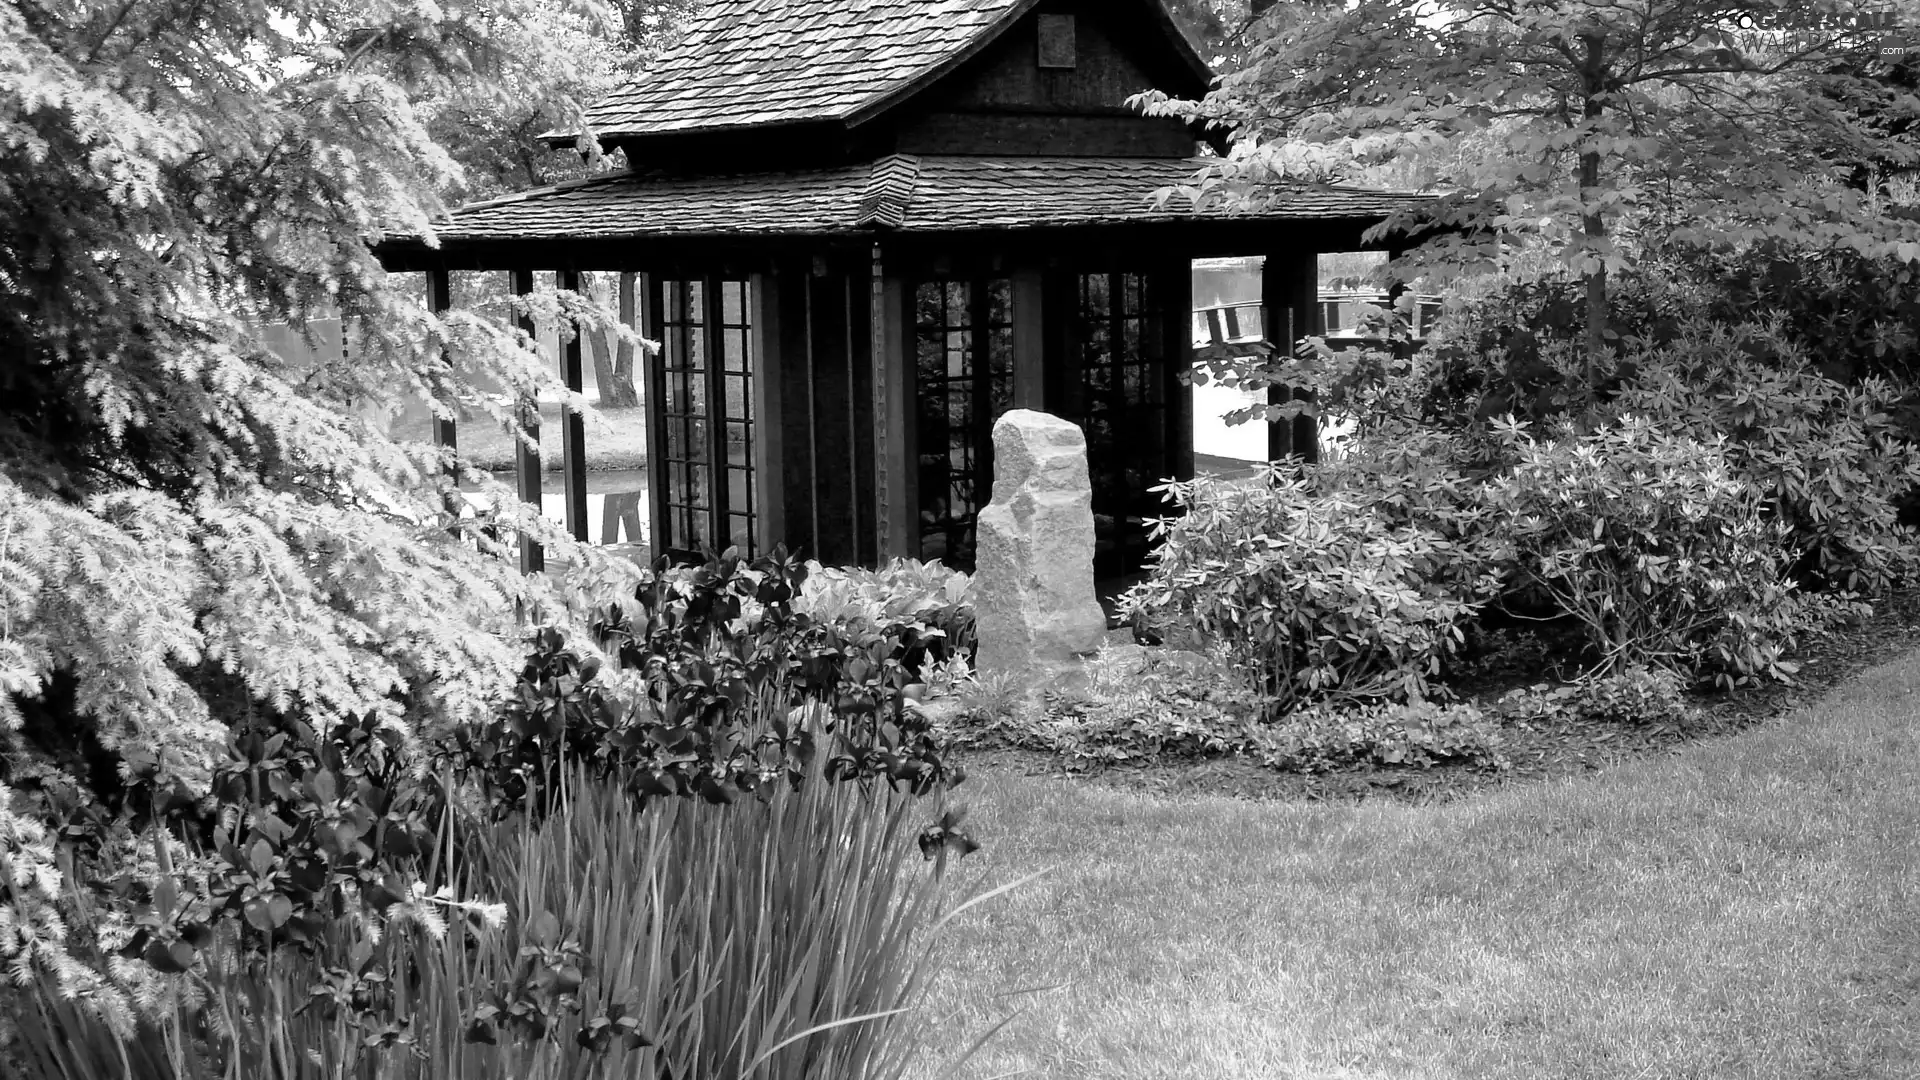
896	193
752	63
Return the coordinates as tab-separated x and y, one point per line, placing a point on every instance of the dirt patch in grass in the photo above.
1535	751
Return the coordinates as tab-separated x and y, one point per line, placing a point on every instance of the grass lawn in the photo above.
1741	907
621	444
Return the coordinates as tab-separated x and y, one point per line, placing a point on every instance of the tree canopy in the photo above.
193	529
1579	125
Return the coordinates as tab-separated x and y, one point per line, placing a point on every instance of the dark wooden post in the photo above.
1029	339
1290	294
835	463
795	377
895	516
769	425
1059	321
1395	291
573	429
440	301
526	461
1179	350
653	313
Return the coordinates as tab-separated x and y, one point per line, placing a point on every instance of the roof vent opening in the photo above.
1057	50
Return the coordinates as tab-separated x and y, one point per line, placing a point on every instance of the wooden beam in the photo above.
1394	292
526	461
573	427
883	356
653	287
440	301
863	356
694	255
893	395
1290	294
834	470
1178	338
768	450
908	312
1043	134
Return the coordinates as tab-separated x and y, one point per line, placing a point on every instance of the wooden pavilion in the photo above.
866	228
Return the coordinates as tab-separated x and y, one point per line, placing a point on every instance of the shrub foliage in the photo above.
1650	542
1324	595
585	883
1827	458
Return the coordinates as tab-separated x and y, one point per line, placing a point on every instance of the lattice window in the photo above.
1123	393
737	374
964	382
708	416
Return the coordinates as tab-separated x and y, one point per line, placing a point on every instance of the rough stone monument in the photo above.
1034	598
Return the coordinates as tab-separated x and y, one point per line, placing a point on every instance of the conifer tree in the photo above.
193	529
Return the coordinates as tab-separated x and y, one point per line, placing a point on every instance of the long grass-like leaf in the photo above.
815	1030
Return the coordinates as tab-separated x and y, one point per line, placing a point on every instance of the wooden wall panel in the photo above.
1004	102
863	514
1029	340
1009	71
795	379
835	475
1045	134
1059	305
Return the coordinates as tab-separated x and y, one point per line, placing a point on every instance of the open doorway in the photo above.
1227	311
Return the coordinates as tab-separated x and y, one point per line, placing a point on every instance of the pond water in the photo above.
617	511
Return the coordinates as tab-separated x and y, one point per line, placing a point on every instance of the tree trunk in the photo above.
1593	86
623	373
1595	228
1596	282
616	387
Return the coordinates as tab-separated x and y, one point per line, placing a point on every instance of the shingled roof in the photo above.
753	63
901	193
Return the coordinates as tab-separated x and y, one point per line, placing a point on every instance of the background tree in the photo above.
496	136
1589	122
613	369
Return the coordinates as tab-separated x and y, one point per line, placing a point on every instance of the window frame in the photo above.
686	521
990	362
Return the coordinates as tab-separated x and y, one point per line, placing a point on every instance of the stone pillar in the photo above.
1034	597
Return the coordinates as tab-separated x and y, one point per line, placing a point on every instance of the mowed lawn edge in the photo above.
1744	907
